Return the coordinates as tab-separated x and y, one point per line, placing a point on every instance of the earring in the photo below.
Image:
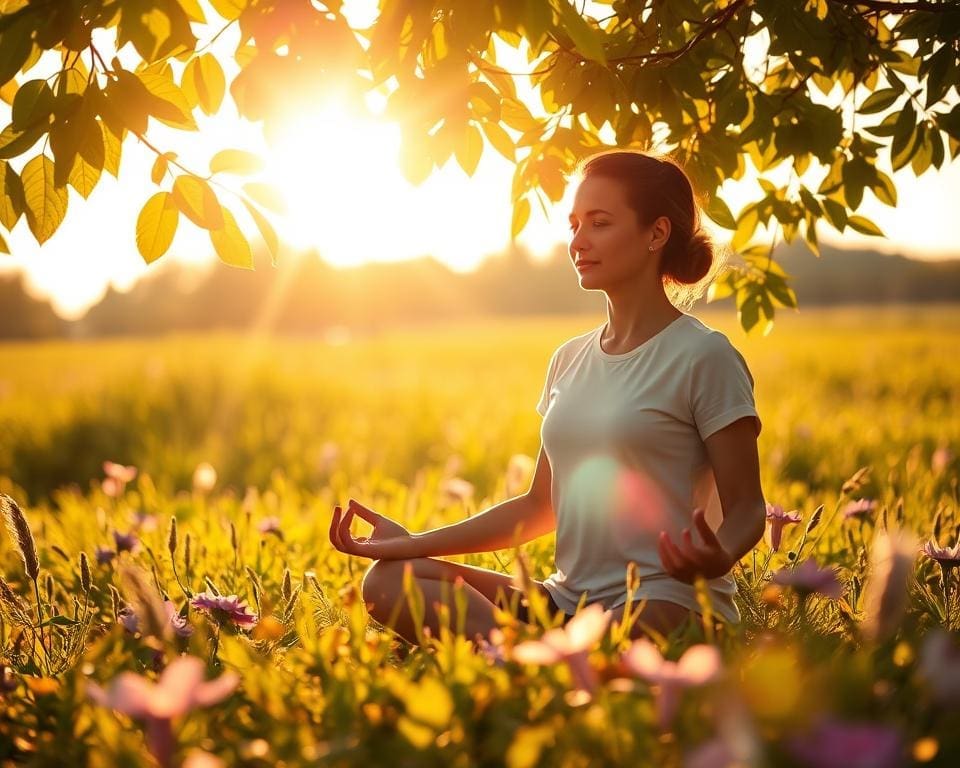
650	248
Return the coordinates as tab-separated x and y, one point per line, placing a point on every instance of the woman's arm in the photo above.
515	521
736	468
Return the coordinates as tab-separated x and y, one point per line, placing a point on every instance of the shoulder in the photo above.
571	347
701	342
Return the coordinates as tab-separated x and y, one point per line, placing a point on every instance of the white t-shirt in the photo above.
624	435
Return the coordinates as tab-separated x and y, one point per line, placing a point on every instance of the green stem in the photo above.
43	642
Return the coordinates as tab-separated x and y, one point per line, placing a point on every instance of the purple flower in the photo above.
104	555
270	525
835	744
126	542
808	578
181	627
224	609
129	619
778	519
947	557
859	509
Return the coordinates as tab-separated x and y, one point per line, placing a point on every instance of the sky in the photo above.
348	200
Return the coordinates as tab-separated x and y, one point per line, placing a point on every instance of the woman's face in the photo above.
607	243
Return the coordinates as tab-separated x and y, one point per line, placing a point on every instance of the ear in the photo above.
660	232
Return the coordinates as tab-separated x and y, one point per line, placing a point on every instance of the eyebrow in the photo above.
589	213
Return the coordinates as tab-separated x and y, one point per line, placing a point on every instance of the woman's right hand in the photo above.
388	541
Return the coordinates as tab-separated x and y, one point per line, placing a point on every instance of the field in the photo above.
857	405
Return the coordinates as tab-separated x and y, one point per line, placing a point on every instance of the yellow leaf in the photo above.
111	150
193	11
469	149
42	685
156	226
229	9
500	140
203	83
429	702
11	196
521	215
235	161
266	232
160	166
528	743
8	90
230	244
46	203
415	165
864	225
84	176
197	201
3	245
174	110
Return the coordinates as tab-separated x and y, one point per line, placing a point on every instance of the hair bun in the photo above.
698	260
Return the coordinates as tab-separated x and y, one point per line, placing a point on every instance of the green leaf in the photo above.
230	244
266	231
588	41
879	100
267	195
521	215
12	204
197	201
58	621
156	226
46	203
720	213
33	103
235	161
864	225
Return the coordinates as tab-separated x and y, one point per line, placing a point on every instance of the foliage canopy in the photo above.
829	90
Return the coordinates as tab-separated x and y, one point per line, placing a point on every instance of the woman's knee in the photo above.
383	580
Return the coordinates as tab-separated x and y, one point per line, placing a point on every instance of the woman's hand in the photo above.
688	560
388	541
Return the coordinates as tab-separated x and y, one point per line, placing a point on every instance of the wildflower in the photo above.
270	525
835	744
885	593
570	644
104	555
520	469
778	519
458	489
204	477
859	509
225	608
941	459
129	619
939	665
126	542
180	689
143	520
117	477
179	624
808	578
699	665
947	557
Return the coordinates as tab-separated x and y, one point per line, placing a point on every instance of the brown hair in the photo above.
658	187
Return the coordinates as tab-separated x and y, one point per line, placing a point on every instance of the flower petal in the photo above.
536	652
587	627
699	664
643	658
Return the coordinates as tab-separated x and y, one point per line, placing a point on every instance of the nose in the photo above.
579	242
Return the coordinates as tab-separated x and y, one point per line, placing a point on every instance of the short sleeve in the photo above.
721	387
548	385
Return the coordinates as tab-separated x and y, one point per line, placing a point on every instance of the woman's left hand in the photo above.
688	560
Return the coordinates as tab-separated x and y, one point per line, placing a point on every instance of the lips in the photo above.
586	264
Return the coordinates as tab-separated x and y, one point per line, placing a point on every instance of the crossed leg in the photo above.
382	590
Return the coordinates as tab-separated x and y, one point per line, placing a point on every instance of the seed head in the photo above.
20	532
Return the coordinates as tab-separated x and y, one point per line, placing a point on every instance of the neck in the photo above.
636	311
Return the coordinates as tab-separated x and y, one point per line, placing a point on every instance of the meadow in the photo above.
183	605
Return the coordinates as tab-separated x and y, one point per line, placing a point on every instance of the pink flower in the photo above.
778	519
179	624
126	542
860	509
458	489
204	477
129	619
270	525
699	665
834	744
808	578
224	609
939	665
180	688
570	644
941	459
947	557
125	474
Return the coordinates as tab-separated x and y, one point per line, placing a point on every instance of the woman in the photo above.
649	437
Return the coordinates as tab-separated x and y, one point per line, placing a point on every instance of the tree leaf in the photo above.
12	204
112	147
14	142
235	161
266	231
879	100
197	201
589	42
169	105
521	215
718	211
266	195
230	244
500	140
864	225
203	83
33	103
469	149
229	9
46	203
156	226
160	165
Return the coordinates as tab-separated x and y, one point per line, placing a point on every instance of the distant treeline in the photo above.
305	295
